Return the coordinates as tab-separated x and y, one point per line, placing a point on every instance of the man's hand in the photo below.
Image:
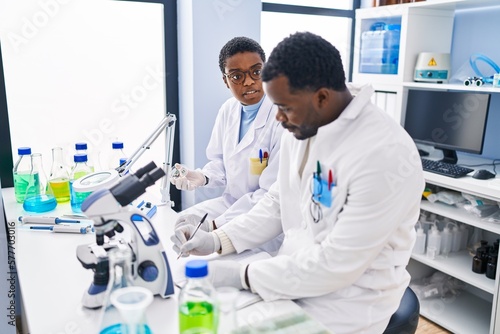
203	243
186	179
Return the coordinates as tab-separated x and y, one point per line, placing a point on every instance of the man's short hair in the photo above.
308	61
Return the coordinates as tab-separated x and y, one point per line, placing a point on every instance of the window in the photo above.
280	18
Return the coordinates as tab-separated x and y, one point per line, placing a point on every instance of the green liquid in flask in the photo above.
21	183
122	329
197	317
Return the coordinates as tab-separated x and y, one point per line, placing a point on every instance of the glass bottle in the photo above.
120	274
480	260
59	176
79	170
491	266
82	148
116	154
22	172
197	304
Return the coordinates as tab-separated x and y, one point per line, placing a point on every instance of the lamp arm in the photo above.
125	166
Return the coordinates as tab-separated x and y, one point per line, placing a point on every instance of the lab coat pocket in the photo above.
329	214
257	165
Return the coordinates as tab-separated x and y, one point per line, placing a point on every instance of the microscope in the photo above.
119	224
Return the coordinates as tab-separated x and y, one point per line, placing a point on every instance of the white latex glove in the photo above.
226	273
186	179
203	243
194	220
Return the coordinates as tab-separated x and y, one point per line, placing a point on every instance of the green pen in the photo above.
318	170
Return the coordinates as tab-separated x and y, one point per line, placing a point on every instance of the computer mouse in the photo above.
483	174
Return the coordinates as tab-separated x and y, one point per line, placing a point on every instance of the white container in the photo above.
446	241
456	238
419	247
433	242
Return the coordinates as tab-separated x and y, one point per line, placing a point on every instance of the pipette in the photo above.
64	228
46	220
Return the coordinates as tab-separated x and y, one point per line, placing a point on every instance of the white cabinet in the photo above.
428	27
474	309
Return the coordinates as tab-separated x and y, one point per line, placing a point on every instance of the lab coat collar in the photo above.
362	96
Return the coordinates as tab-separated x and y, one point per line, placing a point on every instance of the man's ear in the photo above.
322	97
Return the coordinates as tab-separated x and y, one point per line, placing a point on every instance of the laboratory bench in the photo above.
52	280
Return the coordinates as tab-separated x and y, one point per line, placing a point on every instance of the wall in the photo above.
204	27
474	32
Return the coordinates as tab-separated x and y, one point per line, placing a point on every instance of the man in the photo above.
347	199
244	147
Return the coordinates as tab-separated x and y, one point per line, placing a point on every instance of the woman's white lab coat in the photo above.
230	162
348	270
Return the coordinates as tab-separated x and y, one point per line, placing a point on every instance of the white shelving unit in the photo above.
428	27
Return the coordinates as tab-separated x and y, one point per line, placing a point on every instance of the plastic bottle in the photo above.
433	242
79	169
120	273
446	241
456	238
465	236
116	154
59	176
419	247
198	312
22	172
82	148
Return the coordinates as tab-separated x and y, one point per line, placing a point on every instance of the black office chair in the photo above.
405	319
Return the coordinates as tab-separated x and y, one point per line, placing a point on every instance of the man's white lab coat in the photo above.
229	163
348	270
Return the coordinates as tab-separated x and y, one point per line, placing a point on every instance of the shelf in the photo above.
459	265
460	215
483	188
466	314
454	87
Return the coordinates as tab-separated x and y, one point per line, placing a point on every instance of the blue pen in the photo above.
260	155
46	220
64	228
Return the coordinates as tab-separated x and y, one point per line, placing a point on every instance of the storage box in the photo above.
380	49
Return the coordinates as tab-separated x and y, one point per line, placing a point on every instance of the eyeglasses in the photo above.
238	77
315	206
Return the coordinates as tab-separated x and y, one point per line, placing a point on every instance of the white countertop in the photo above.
53	281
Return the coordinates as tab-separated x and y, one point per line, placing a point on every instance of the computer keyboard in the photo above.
445	168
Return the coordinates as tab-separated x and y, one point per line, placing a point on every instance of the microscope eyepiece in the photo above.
134	185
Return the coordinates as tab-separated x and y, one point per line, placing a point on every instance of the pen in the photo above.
318	170
266	155
64	228
330	179
260	155
196	230
46	220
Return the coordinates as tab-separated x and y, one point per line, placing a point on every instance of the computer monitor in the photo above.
450	121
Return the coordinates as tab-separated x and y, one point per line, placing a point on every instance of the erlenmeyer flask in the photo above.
38	197
120	277
131	303
59	176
